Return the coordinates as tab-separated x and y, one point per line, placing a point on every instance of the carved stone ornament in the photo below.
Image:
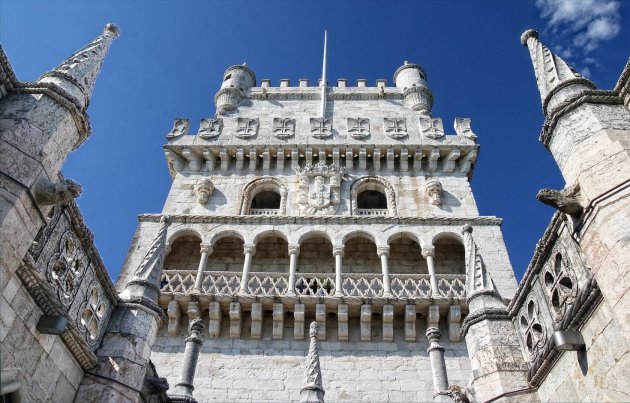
247	128
396	128
431	127
359	128
91	314
560	283
462	128
458	394
532	330
203	190
320	186
66	268
283	127
210	128
180	128
321	127
47	193
566	200
434	191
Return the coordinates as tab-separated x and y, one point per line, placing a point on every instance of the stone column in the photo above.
383	253
429	253
338	254
206	250
184	388
249	251
438	366
294	252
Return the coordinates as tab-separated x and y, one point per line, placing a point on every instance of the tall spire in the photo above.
553	75
78	73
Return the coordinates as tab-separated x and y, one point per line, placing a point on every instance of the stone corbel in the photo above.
410	323
214	324
404	160
266	160
194	312
195	162
174	161
298	322
454	317
377	159
203	190
235	320
465	163
433	188
342	321
210	158
320	317
240	159
257	314
278	321
362	158
432	159
47	193
449	161
366	322
280	160
174	314
433	316
390	160
388	322
225	159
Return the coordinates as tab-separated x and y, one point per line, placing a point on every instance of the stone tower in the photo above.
362	220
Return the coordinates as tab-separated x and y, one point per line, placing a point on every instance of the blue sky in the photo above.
170	59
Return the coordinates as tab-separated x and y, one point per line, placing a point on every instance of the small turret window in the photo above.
228	77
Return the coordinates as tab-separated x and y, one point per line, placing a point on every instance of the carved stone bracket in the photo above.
203	190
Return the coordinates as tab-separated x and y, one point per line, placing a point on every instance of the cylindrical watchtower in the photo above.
413	80
236	81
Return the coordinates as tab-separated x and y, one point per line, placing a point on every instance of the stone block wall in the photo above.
352	371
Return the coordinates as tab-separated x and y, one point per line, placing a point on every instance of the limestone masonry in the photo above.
315	249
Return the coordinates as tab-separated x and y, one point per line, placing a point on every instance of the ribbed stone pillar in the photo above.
184	388
249	251
338	254
294	252
383	253
429	253
438	366
206	250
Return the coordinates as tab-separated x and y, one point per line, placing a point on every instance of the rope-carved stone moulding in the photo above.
66	268
203	190
560	284
320	187
259	185
373	183
532	331
210	128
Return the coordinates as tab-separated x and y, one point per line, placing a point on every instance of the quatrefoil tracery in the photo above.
532	328
561	285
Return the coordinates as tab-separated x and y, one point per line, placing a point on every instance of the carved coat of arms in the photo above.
320	186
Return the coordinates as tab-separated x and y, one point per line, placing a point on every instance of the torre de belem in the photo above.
318	243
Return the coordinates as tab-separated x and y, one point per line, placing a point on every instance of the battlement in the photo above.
305	83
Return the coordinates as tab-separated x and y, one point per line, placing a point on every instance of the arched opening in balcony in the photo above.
316	255
185	253
360	256
227	255
272	255
449	256
405	256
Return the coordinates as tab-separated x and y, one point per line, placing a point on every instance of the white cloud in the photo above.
588	22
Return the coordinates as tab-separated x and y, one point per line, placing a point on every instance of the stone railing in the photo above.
373	211
360	285
264	211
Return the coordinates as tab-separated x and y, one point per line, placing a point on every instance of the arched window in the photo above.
264	196
373	196
449	256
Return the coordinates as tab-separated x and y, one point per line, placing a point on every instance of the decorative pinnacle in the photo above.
112	30
527	34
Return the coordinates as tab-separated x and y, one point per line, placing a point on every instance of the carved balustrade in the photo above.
373	212
361	285
264	211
